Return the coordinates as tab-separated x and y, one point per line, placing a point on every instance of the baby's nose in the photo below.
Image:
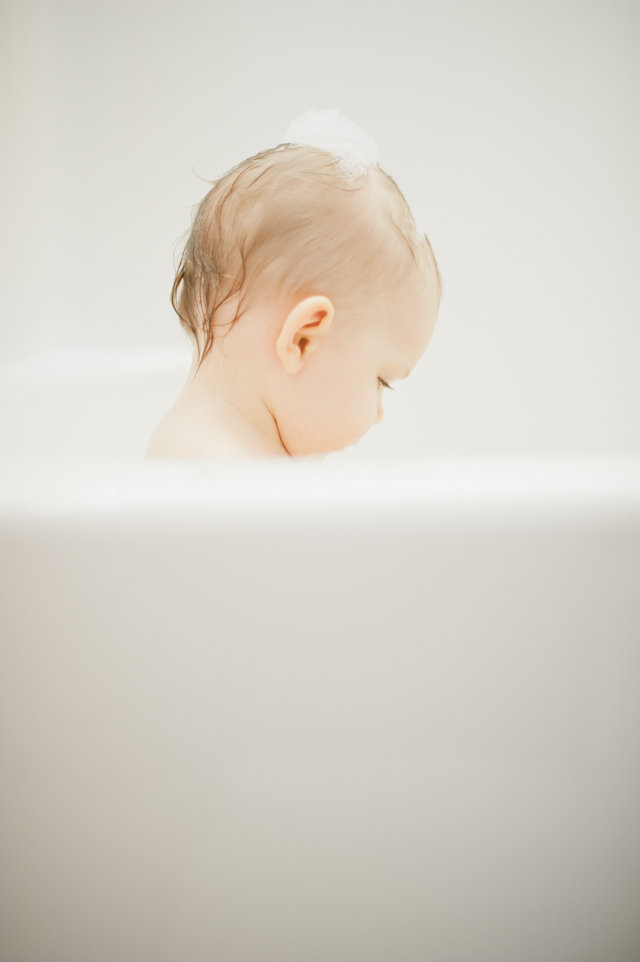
380	414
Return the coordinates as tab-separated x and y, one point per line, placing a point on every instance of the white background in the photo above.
511	127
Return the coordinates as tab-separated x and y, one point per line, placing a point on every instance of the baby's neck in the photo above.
214	416
221	421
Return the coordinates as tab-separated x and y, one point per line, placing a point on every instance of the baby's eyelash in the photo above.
384	383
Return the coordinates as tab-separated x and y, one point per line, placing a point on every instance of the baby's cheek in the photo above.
332	431
354	426
329	419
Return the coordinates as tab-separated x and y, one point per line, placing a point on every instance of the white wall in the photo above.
511	126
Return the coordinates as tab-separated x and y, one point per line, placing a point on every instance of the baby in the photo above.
307	287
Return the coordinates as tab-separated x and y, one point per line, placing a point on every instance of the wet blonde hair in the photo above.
288	221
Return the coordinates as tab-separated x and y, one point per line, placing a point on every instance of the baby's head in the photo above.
315	284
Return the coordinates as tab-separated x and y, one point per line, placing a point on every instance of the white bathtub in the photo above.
311	712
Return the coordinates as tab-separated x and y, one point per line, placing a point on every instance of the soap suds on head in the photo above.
332	131
353	148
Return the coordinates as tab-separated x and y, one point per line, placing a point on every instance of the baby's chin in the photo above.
351	444
346	446
322	445
336	448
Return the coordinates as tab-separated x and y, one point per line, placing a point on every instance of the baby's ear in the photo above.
302	331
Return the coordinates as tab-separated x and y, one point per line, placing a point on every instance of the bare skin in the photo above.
209	427
291	378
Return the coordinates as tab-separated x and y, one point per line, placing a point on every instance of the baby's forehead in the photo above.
430	274
408	319
417	294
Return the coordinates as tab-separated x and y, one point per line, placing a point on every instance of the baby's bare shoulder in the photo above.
179	437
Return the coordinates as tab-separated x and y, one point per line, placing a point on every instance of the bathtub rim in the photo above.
45	487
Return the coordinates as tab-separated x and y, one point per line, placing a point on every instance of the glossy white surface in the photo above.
312	711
